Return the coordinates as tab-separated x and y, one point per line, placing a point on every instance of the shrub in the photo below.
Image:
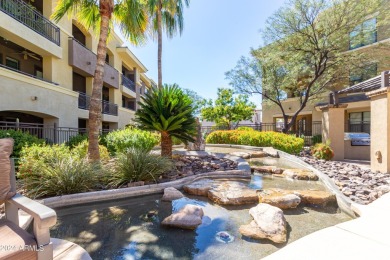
76	140
322	151
139	165
283	142
245	128
21	139
61	176
81	151
121	140
316	139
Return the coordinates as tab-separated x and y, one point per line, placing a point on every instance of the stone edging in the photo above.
94	196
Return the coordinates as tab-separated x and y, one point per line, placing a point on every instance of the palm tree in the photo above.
131	18
169	111
165	15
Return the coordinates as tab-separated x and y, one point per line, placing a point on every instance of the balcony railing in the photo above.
128	83
27	15
107	107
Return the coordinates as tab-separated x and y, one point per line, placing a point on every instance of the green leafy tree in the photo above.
131	18
305	53
165	15
228	110
197	100
167	110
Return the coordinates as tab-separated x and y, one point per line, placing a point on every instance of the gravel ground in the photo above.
358	183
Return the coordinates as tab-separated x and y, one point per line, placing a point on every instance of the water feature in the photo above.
130	228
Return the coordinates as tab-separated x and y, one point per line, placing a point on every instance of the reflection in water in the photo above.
130	228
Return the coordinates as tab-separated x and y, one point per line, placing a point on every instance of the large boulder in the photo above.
316	197
189	217
171	194
268	223
271	152
232	193
200	187
300	174
279	198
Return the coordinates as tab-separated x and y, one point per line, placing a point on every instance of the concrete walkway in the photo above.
366	237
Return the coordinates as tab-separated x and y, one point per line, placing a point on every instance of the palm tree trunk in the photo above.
159	34
166	145
95	109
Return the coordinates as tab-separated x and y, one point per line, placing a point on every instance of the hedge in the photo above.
283	142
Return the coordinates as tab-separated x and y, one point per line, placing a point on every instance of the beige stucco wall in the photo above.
380	131
356	152
52	101
126	117
331	130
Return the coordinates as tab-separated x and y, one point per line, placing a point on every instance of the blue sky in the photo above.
216	34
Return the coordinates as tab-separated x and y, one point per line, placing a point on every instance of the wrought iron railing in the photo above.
27	15
107	107
128	83
51	134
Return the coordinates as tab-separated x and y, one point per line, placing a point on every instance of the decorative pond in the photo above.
130	228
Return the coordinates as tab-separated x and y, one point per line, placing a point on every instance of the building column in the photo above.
380	129
137	88
333	121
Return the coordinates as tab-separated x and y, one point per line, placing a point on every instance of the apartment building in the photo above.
366	37
46	70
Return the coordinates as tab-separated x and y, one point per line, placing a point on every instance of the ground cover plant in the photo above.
283	142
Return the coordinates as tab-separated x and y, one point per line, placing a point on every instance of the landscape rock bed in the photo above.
188	165
361	185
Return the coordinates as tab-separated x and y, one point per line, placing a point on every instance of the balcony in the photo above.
84	60
128	83
31	18
107	107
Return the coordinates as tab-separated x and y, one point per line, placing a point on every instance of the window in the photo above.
38	72
12	63
363	74
363	34
359	122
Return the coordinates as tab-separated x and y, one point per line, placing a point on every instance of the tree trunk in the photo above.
159	35
95	109
166	145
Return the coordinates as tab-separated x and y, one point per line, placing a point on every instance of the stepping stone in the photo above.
316	197
200	187
300	174
189	217
243	155
268	223
258	154
267	169
232	193
278	198
171	194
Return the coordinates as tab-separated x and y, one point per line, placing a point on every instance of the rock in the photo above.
241	154
267	169
300	174
258	154
189	217
269	223
271	152
200	187
316	197
278	198
232	193
171	194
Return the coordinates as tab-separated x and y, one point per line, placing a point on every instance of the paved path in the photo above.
366	237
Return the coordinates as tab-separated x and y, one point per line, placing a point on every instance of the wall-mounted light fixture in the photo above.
34	98
112	77
88	63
